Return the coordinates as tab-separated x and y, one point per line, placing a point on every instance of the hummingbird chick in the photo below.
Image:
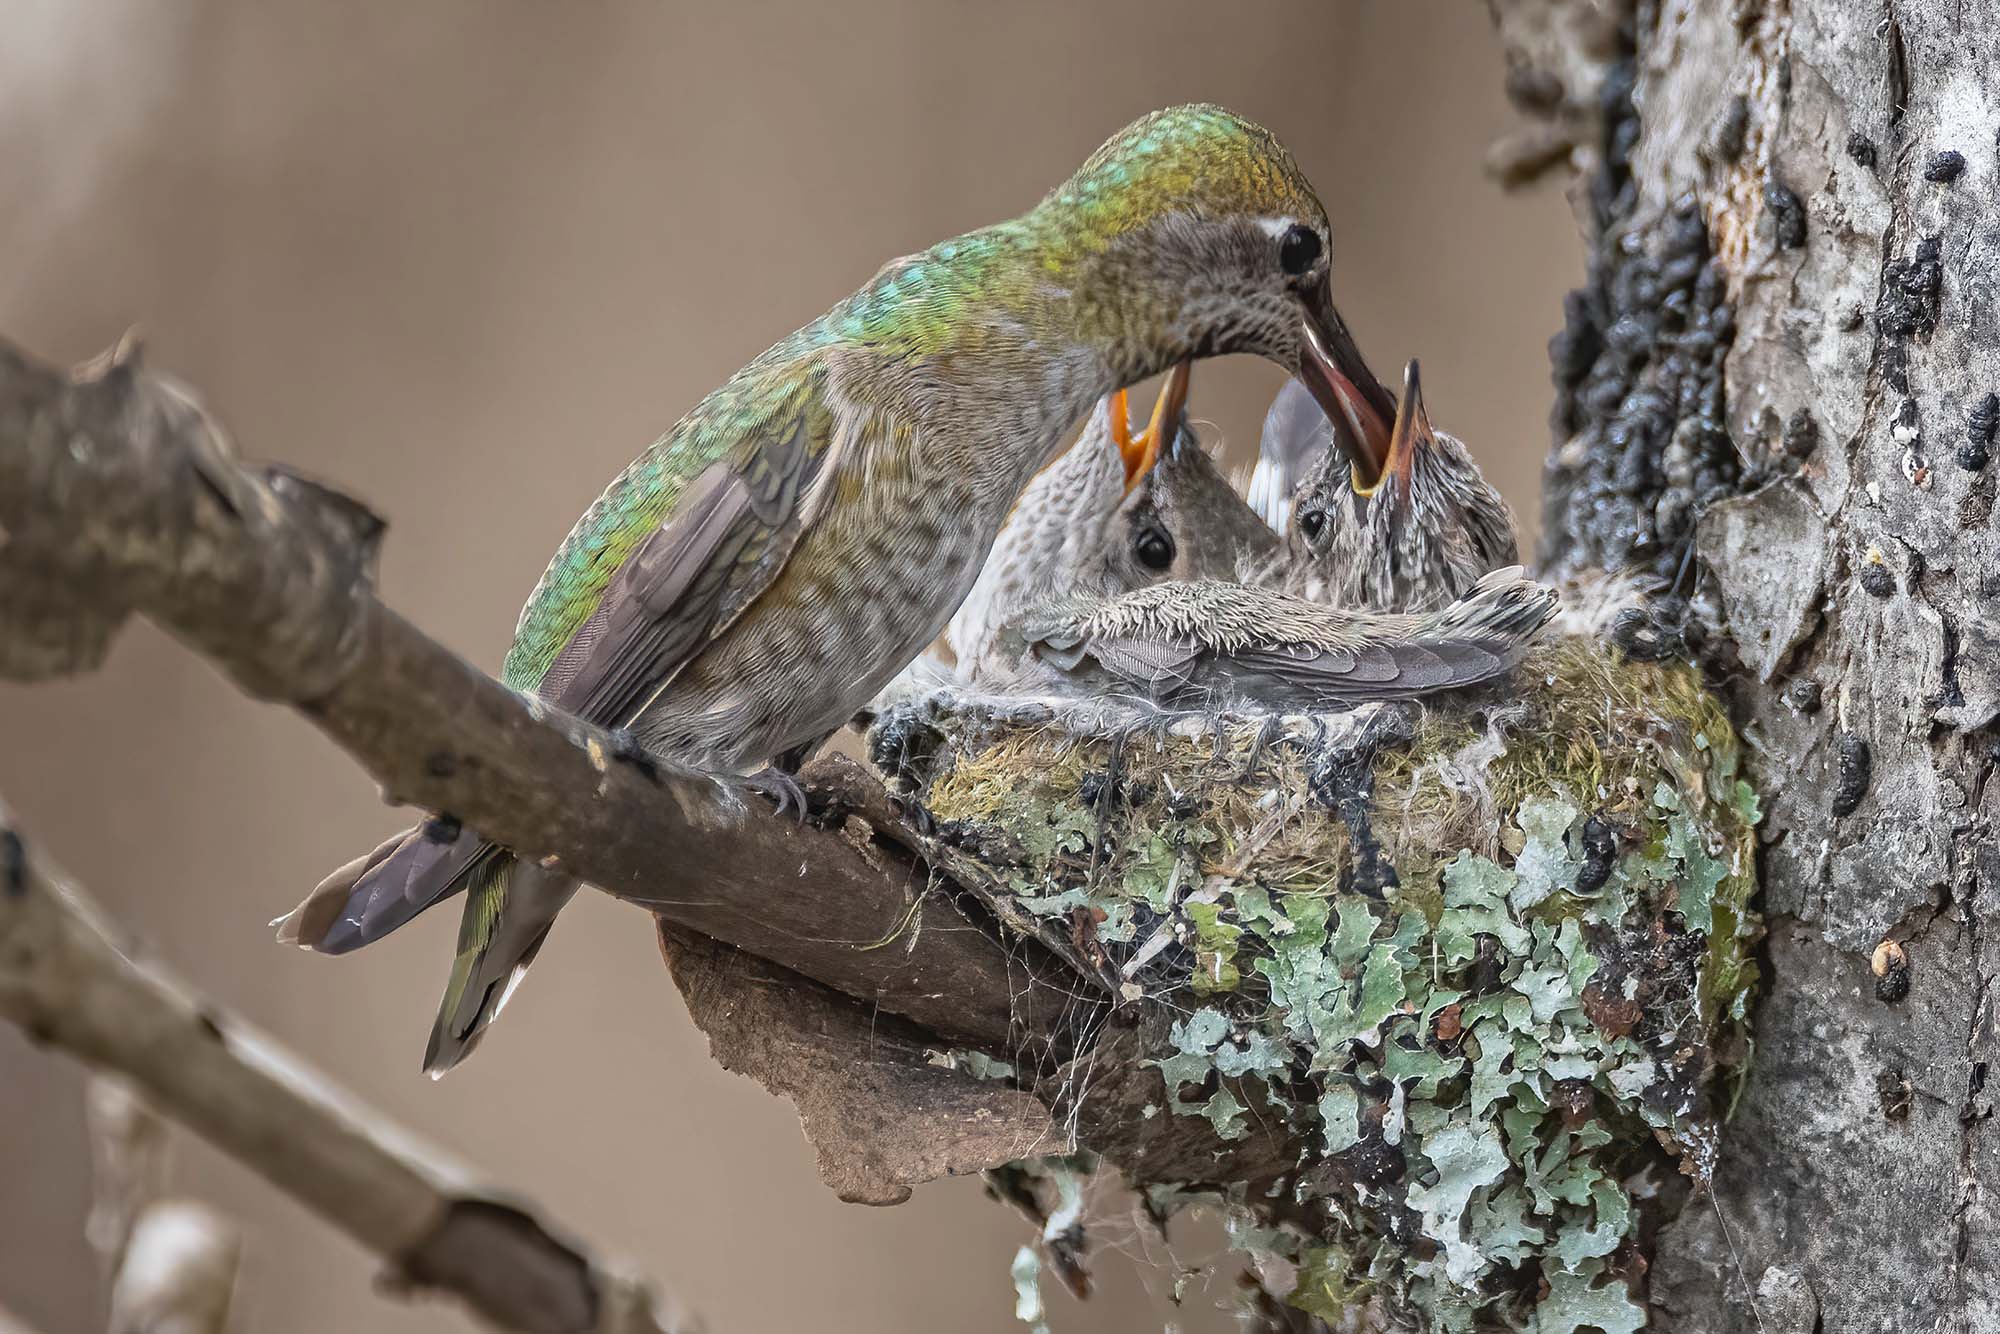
1215	644
1407	529
790	544
1120	509
1296	436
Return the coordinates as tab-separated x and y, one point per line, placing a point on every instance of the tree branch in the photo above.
66	983
118	494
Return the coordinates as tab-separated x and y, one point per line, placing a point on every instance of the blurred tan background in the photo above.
464	258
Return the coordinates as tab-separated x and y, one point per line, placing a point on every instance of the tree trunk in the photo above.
1785	356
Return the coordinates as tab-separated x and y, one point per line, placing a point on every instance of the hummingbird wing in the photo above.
1203	642
757	450
688	581
1355	656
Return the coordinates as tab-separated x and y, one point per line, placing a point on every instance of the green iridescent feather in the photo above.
1186	159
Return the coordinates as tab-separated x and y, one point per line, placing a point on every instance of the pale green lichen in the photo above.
1476	1059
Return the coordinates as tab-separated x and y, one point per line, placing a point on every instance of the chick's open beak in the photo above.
1411	433
1331	366
1142	451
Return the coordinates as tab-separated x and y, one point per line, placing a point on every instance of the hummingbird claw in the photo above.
781	788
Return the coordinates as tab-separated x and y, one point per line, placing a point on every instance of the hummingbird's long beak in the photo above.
1361	410
1411	433
1142	451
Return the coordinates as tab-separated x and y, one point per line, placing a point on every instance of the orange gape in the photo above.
1141	451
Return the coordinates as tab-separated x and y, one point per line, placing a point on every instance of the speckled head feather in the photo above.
1426	531
1199	160
1094	524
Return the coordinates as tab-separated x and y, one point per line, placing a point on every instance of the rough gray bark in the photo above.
1847	562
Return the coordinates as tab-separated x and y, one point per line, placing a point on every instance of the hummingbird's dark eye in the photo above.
1312	523
1298	250
1154	549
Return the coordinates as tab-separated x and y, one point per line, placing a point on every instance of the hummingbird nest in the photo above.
1485	962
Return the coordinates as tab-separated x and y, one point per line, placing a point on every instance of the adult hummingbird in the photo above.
769	563
1408	529
1221	644
1119	509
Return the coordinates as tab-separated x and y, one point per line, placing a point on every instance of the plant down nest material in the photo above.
1486	962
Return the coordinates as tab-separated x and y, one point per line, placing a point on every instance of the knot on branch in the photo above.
119	493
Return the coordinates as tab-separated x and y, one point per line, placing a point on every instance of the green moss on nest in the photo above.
1484	961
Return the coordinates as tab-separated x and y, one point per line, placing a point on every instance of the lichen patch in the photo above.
1498	1049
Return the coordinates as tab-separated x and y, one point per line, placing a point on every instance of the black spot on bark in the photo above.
1876	579
1954	692
1639	398
1804	696
1908	305
1984	417
1899	72
1801	436
1894	984
1973	455
1788	215
1896	367
1945	167
1862	149
1854	768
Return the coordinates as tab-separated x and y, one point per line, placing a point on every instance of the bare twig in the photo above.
66	983
118	494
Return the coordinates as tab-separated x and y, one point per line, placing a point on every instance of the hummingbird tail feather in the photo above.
371	896
509	907
1485	632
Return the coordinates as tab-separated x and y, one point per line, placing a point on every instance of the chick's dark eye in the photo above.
1312	523
1298	250
1154	549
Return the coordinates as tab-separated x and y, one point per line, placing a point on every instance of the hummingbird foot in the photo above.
781	788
